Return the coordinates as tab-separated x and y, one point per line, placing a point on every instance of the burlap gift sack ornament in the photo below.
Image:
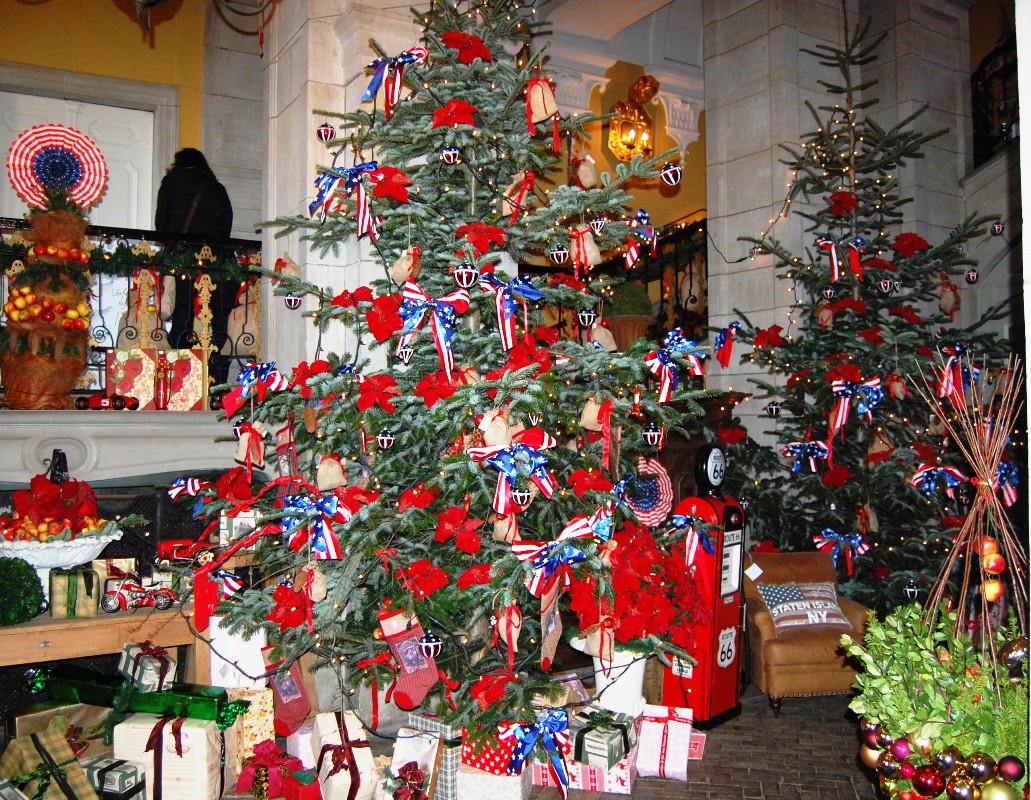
506	528
329	474
508	622
583	249
517	195
585	173
244	323
314	582
589	416
599	640
603	337
597	417
541	105
407	267
250	451
496	430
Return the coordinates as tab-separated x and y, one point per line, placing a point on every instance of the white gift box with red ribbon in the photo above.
618	780
664	741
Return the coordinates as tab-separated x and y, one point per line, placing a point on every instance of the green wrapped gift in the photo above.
114	778
43	766
601	738
74	592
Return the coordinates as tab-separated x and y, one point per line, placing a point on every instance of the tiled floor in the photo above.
808	753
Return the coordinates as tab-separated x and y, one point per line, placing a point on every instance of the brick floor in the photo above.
808	753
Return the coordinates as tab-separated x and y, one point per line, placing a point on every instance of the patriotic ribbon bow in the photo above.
866	396
322	511
696	535
506	295
1007	479
928	476
552	730
392	69
851	544
230	582
510	461
801	451
258	379
725	343
325	186
191	487
641	223
443	315
664	366
364	222
551	561
828	245
956	376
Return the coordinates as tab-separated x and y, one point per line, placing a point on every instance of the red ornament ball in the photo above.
1011	769
325	133
900	748
907	770
928	781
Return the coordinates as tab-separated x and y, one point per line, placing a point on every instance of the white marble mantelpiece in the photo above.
113	447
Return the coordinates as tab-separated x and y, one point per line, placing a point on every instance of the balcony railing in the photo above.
152	291
994	107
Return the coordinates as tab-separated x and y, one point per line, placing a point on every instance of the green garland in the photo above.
21	592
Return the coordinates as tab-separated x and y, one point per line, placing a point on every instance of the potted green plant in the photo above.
628	313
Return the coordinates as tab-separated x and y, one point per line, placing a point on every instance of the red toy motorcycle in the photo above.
127	592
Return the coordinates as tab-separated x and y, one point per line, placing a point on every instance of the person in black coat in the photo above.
191	202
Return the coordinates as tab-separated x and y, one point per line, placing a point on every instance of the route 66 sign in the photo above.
726	647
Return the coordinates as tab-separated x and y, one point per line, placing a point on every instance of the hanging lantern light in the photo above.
325	133
430	644
558	254
292	301
385	439
405	353
466	275
586	317
653	435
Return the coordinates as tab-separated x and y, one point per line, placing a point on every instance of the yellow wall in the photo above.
103	37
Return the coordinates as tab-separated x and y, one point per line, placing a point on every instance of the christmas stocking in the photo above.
290	702
416	672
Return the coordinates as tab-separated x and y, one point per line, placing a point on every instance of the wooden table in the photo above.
45	639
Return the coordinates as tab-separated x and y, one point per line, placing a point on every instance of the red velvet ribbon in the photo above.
605	418
517	204
154	743
385	553
579	250
449	687
368	663
342	757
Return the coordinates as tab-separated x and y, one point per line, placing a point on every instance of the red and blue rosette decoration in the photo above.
506	295
654	498
57	158
663	365
443	315
805	451
552	730
390	73
257	379
928	476
851	544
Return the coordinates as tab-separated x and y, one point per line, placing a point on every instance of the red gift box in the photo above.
488	754
302	785
277	764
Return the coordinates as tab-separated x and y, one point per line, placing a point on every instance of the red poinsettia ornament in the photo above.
843	203
383	318
455	113
909	244
391	182
469	47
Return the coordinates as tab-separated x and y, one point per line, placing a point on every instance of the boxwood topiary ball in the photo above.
21	593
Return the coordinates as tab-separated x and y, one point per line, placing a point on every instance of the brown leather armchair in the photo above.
809	659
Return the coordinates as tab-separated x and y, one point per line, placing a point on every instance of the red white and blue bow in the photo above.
928	476
642	226
664	366
805	451
392	69
191	487
866	396
597	524
552	730
1006	481
828	245
551	561
725	343
258	379
957	376
229	582
321	511
851	544
506	295
443	312
696	535
325	187
364	221
633	250
523	457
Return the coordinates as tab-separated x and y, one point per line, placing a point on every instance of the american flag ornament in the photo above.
586	317
523	457
830	247
1006	482
597	224
662	364
654	497
508	297
653	435
803	452
671	174
450	155
559	254
229	582
443	312
385	439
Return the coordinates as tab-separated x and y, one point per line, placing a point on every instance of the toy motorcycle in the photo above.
127	592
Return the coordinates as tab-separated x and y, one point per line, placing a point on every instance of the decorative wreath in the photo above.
59	158
653	500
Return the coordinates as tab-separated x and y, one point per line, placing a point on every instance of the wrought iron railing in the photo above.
994	105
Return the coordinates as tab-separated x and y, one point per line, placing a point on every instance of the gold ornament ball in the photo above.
377	633
869	756
981	767
999	790
960	787
921	744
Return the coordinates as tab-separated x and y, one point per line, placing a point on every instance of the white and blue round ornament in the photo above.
597	225
671	174
559	254
451	155
466	275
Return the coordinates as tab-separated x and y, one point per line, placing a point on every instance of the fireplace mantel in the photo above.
114	447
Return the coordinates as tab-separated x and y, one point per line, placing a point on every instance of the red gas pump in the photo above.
712	687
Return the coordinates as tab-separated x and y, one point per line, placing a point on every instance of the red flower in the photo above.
845	372
289	609
391	182
133	368
801	375
378	390
490	688
907	244
851	304
457	522
836	477
354	497
925	452
304	371
476	575
733	435
469	47
878	263
434	387
881	571
347	299
953	521
926	352
589	480
908	313
872	335
481	236
769	337
455	113
879	457
423	578
383	319
560	279
419	496
843	203
526	353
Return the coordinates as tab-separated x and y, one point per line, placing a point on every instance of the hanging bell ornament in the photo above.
973	276
586	317
559	254
828	293
597	224
385	439
292	301
430	644
652	435
405	353
671	174
773	408
325	133
466	275
998	227
521	497
451	155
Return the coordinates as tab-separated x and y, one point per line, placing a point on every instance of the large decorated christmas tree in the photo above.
861	467
443	484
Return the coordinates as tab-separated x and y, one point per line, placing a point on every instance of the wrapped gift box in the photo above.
8	791
114	779
187	767
664	740
335	756
489	755
109	568
131	373
74	592
602	738
301	784
85	722
299	744
255	724
697	749
473	782
450	752
618	780
50	752
149	667
263	773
